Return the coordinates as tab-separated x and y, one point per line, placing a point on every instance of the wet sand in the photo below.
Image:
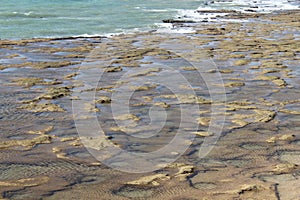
257	152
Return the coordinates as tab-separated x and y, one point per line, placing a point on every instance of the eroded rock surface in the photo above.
255	157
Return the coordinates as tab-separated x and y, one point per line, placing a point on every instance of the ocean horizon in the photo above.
66	18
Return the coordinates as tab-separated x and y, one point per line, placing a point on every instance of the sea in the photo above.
68	18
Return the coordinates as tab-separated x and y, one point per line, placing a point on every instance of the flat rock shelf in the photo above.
255	157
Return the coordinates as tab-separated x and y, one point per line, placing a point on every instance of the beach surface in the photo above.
238	102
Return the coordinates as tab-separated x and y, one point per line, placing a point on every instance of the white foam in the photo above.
169	28
160	10
264	6
243	6
198	17
28	13
88	35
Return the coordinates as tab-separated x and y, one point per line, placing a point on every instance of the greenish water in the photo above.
59	18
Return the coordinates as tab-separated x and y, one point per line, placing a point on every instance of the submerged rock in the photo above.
28	182
130	191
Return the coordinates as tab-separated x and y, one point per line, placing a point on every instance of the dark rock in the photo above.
250	10
217	11
177	21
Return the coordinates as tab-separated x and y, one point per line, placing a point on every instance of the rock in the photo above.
113	69
204	121
91	107
250	10
162	104
264	115
97	143
267	71
142	87
67	139
127	117
234	84
62	155
279	82
254	67
292	112
32	81
233	106
212	71
28	82
44	107
184	172
241	62
237	56
69	76
287	137
177	21
56	149
218	11
271	140
240	123
150	180
284	168
42	132
27	144
103	100
146	72
248	188
44	65
203	133
74	56
266	78
189	68
187	99
55	92
257	55
226	71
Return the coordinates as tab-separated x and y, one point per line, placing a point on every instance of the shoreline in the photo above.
257	152
230	14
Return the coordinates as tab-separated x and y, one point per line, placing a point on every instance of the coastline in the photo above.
257	155
219	16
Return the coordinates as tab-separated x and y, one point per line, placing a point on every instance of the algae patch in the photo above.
32	81
27	144
56	92
42	107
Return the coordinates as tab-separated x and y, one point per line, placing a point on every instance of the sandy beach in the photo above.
239	100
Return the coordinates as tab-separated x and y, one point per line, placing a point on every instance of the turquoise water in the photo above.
57	18
61	18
